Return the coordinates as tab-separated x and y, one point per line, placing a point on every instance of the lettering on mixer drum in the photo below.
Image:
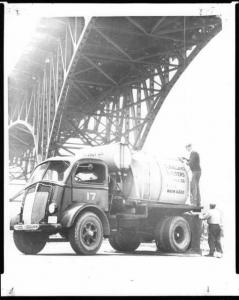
175	191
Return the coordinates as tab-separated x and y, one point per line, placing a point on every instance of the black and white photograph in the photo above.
119	145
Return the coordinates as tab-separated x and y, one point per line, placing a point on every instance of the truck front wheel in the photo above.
124	241
86	235
173	234
29	242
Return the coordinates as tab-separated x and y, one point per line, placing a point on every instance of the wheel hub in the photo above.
179	234
89	233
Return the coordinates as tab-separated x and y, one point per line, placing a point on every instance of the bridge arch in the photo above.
23	145
100	80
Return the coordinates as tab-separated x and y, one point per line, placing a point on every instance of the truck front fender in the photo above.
72	212
14	221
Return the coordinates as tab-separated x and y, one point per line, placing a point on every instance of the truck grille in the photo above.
35	204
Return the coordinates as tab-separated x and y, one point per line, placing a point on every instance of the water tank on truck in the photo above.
117	156
150	179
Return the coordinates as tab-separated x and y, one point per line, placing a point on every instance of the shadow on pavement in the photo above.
136	253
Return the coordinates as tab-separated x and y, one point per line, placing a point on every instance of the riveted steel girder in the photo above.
100	80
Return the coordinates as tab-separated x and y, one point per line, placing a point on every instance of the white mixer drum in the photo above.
165	181
117	156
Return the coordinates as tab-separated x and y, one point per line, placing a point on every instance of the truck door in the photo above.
90	184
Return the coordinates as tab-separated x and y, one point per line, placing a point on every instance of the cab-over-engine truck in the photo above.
107	192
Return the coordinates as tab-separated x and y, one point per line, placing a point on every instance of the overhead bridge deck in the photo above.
100	80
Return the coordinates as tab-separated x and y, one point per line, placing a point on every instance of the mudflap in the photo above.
196	230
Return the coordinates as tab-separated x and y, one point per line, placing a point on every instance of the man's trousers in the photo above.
214	238
195	192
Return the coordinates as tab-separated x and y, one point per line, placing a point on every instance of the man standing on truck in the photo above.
194	163
214	220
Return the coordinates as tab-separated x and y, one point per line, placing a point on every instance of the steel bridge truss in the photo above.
100	80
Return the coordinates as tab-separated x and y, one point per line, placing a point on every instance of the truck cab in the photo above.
60	192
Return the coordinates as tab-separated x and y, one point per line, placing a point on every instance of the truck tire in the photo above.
124	241
29	242
113	242
86	235
159	235
173	234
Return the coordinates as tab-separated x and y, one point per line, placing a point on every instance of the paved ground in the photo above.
56	270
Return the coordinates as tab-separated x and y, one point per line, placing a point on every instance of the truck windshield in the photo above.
51	170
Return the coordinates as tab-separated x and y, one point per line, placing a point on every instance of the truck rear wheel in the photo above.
86	235
173	234
29	242
124	241
159	235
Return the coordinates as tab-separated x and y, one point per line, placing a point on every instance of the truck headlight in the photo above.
52	208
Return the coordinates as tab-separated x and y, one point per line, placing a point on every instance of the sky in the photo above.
18	32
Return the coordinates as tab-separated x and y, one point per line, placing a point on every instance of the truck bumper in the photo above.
38	227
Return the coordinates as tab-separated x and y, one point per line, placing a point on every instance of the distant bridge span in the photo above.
100	80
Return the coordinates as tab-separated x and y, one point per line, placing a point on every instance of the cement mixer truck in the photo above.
107	192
